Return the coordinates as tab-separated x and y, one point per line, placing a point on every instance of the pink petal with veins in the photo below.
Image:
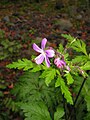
50	53
43	43
47	61
36	48
39	59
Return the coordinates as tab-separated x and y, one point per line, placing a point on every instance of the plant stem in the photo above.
79	92
73	107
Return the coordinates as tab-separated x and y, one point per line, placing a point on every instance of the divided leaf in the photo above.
49	75
79	59
69	78
24	64
79	46
64	89
76	44
68	37
86	66
36	68
61	48
36	111
87	99
59	113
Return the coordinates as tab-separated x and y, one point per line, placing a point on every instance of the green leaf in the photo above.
86	66
87	116
49	74
69	78
21	64
64	89
79	59
76	44
30	88
79	46
36	111
87	99
36	68
61	48
59	113
68	37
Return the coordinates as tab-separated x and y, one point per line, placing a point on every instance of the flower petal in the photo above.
57	61
36	48
50	53
43	43
39	59
47	61
62	62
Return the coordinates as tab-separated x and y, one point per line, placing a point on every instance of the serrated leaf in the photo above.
86	66
59	113
87	99
76	44
61	48
68	37
69	78
36	68
31	88
79	46
49	75
36	111
79	59
64	89
21	64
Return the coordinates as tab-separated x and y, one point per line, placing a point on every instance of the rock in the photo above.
63	24
6	19
79	17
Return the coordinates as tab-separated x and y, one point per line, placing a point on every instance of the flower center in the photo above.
43	53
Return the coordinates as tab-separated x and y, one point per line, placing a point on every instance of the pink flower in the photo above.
44	54
59	63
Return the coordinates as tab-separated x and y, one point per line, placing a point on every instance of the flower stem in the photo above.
72	115
79	92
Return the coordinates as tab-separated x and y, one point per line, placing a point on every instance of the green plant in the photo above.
7	48
32	94
65	81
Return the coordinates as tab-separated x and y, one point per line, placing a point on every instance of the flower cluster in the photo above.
45	54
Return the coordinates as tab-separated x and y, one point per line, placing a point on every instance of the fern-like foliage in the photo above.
36	111
36	98
24	64
64	89
49	75
76	44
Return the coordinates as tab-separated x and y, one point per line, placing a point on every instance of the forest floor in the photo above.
31	22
